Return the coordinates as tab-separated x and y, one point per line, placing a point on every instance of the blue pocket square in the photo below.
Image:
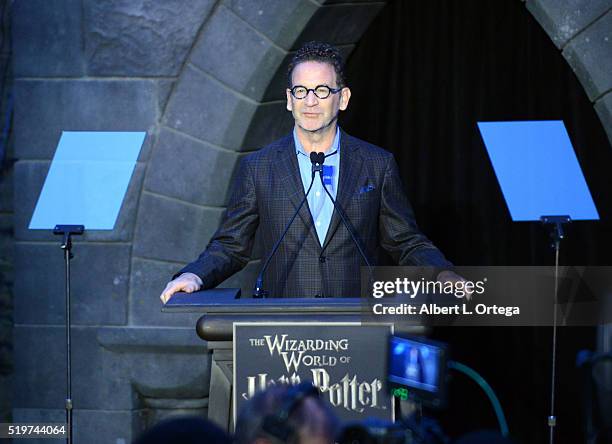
366	188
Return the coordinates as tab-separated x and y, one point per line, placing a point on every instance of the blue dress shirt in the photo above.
319	203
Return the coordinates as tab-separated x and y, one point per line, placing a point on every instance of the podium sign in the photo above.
346	361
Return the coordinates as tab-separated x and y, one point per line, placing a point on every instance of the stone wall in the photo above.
108	66
205	80
6	215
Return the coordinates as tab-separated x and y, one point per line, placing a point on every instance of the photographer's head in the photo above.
286	414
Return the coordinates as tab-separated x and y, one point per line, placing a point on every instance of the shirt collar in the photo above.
334	147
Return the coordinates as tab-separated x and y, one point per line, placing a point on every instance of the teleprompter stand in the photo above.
67	231
557	233
99	164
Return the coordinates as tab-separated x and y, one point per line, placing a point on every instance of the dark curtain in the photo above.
422	76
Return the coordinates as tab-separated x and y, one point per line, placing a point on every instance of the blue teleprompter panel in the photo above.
537	169
87	180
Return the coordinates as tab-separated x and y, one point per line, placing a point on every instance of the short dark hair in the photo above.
318	52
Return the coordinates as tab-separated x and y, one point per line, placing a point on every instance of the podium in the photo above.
219	312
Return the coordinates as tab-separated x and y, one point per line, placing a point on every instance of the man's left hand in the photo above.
451	276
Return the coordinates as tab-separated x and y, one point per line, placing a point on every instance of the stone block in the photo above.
147	280
189	170
271	121
104	426
99	381
168	375
39	415
47	38
604	109
279	82
102	380
99	281
232	52
170	363
170	230
339	24
165	88
157	410
6	191
141	37
589	56
281	22
45	108
30	175
208	110
563	19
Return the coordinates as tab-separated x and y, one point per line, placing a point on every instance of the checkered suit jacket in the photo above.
266	191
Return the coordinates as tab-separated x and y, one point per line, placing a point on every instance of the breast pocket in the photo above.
366	198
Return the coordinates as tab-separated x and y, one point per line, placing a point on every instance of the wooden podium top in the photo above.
221	308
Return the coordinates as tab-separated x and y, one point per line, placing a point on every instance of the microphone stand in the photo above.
349	228
66	231
259	292
337	208
557	234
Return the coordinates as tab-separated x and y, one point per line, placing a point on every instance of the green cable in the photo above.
503	425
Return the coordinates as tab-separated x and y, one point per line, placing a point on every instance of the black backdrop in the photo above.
422	76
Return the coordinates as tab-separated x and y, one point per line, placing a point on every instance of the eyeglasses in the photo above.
321	91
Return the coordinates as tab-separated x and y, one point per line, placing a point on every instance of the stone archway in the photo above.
228	100
582	31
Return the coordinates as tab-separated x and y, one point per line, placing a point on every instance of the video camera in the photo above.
417	372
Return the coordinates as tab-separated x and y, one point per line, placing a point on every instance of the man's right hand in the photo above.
186	282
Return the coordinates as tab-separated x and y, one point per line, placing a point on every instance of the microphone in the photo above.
317	160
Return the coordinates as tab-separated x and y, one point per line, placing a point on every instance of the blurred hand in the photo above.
451	276
186	282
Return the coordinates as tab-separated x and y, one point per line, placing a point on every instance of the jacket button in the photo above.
322	259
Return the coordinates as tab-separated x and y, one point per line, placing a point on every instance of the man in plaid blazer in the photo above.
317	257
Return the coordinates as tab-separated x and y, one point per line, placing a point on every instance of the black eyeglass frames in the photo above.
321	91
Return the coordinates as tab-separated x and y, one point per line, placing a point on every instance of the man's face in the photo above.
311	113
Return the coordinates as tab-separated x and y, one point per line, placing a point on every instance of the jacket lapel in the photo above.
351	164
289	170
